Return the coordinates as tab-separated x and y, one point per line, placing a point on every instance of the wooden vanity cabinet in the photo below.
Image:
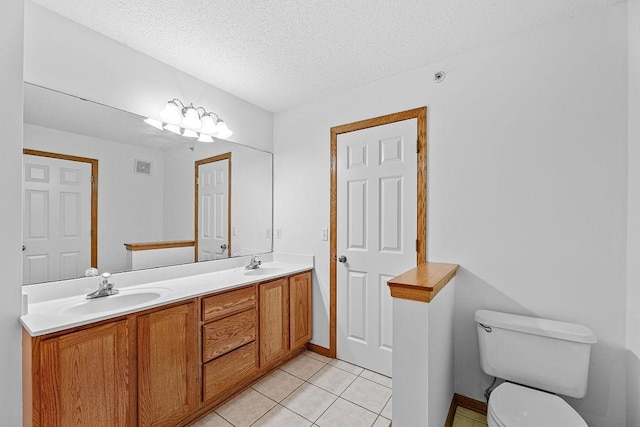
274	321
229	350
168	364
301	327
285	317
81	378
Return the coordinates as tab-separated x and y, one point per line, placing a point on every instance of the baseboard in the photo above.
319	349
465	402
469	403
452	413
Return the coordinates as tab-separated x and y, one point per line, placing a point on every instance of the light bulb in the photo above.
190	133
153	122
208	125
205	138
223	130
172	113
173	128
191	118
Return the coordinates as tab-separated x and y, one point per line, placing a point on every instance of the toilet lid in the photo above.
512	405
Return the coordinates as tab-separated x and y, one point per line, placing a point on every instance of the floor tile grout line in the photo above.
337	396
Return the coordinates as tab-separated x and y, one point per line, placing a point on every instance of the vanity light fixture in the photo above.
191	122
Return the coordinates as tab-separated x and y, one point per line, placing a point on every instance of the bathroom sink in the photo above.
262	271
125	299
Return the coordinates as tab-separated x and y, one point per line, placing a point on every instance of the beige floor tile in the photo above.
462	421
344	413
387	411
382	422
377	378
212	420
367	394
309	401
332	379
317	356
278	385
346	366
303	367
245	408
471	414
279	416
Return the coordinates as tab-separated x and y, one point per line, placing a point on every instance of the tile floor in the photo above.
467	418
310	390
313	390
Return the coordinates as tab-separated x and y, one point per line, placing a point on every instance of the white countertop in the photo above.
57	314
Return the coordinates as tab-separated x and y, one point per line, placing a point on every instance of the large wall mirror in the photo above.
102	189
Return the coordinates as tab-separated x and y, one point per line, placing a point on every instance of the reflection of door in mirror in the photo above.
60	204
213	219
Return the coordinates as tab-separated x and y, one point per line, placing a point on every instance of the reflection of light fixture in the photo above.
205	138
190	133
190	121
155	123
173	128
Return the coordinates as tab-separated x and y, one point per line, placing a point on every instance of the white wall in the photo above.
130	206
63	55
527	186
633	223
11	50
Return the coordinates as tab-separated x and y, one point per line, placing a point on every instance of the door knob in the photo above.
223	246
342	259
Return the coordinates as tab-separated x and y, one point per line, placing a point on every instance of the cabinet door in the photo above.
300	308
85	378
274	321
167	365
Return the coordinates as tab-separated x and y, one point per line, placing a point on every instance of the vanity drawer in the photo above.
226	371
225	304
225	335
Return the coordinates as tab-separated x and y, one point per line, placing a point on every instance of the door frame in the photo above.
94	193
421	239
223	156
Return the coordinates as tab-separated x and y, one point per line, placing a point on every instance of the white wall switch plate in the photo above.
268	232
324	233
278	233
233	230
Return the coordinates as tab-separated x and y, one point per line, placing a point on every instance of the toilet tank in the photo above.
540	353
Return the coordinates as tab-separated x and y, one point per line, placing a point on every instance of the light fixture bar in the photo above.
191	122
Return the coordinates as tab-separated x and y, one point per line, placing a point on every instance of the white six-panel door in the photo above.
213	210
376	233
57	219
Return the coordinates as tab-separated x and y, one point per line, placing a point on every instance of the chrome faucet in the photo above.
254	263
105	288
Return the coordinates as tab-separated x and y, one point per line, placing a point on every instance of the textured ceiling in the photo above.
280	53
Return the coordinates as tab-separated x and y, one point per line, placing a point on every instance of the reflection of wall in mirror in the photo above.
251	195
129	205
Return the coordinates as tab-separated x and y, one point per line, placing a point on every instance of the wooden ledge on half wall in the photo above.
423	282
159	245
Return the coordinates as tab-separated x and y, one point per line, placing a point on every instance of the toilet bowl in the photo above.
512	405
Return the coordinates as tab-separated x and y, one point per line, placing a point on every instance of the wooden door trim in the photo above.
224	156
421	254
94	193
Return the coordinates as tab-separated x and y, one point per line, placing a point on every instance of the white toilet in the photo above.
537	357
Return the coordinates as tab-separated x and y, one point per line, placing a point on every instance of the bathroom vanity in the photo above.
168	361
